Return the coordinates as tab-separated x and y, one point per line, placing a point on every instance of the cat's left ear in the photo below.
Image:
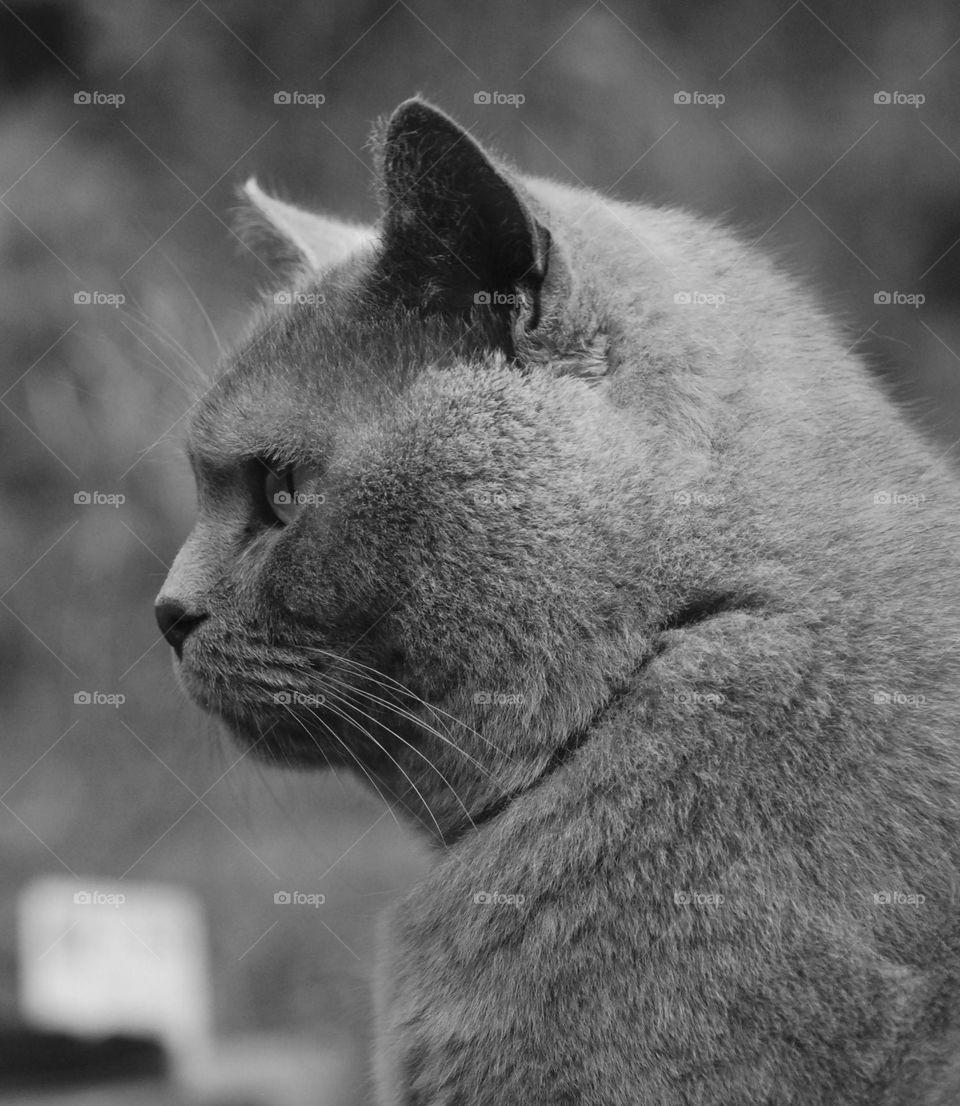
318	240
457	232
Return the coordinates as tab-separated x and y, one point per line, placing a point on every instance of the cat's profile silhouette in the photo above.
578	530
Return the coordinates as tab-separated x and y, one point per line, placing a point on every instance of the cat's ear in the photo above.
457	232
318	240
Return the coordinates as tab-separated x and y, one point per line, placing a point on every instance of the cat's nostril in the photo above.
176	622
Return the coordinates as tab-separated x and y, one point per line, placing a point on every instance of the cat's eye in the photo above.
287	490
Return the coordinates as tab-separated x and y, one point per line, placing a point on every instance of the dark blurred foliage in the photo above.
137	199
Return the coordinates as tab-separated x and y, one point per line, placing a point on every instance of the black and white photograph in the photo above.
480	553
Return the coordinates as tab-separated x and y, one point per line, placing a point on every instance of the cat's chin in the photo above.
315	741
274	742
265	736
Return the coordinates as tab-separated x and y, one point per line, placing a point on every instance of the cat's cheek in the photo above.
316	582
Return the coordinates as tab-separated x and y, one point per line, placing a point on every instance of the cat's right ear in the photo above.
317	241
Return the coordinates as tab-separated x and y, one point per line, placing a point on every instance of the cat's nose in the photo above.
176	622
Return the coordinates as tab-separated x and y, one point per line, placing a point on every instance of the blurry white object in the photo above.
99	957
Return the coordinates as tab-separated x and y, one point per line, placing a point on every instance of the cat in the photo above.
579	531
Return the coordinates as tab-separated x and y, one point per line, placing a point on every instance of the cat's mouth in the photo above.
284	707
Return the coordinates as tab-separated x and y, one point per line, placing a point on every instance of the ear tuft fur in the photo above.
317	240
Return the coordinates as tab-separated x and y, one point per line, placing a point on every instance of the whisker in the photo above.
386	753
398	798
350	752
158	359
157	330
329	763
374	673
381	681
403	713
414	749
196	300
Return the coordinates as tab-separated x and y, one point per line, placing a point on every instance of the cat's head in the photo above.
417	544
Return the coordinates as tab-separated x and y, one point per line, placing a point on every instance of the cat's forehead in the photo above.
314	366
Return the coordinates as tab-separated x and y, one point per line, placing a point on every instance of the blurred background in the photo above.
826	131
